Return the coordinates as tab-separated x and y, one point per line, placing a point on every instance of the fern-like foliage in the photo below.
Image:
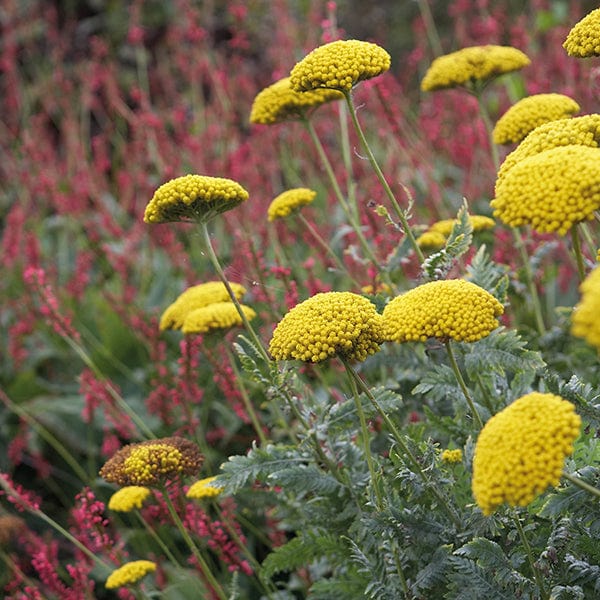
585	397
488	275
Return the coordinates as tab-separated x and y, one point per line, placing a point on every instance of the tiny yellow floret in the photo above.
196	198
326	325
521	450
220	315
583	40
289	201
129	573
449	309
531	112
584	321
128	498
452	456
339	65
204	489
473	66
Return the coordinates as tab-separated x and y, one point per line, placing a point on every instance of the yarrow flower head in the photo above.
452	456
289	201
521	450
221	315
279	102
339	65
450	309
205	488
472	66
531	112
583	40
328	324
550	191
193	198
431	240
152	462
129	573
128	498
436	235
584	321
195	297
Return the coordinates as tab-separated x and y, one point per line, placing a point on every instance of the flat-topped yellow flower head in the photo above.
195	297
196	198
431	240
326	325
289	201
452	456
521	451
128	498
585	322
339	65
449	309
473	66
531	112
220	315
205	488
279	102
129	573
583	40
550	191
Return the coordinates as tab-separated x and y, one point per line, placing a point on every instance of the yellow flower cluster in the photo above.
279	102
150	462
583	40
452	456
578	131
436	235
204	489
328	324
472	65
522	449
288	201
129	573
195	297
551	191
431	240
220	315
584	322
531	112
128	498
193	198
339	66
453	308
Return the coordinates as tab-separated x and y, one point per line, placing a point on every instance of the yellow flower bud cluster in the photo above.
431	240
195	297
436	235
128	498
193	198
470	65
450	309
129	573
531	112
150	462
584	321
521	450
339	65
279	102
452	456
220	315
583	40
288	201
550	191
204	489
328	324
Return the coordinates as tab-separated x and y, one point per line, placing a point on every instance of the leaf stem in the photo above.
536	574
582	484
577	251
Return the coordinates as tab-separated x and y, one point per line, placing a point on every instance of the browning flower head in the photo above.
550	191
450	309
221	315
339	65
521	450
475	65
197	296
531	112
204	489
583	40
193	198
328	324
452	456
128	498
584	321
152	462
289	201
129	573
279	102
10	527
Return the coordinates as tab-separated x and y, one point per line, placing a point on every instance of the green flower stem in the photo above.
430	28
582	484
589	240
217	266
397	208
347	157
462	384
577	251
154	535
487	122
536	574
212	581
365	435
